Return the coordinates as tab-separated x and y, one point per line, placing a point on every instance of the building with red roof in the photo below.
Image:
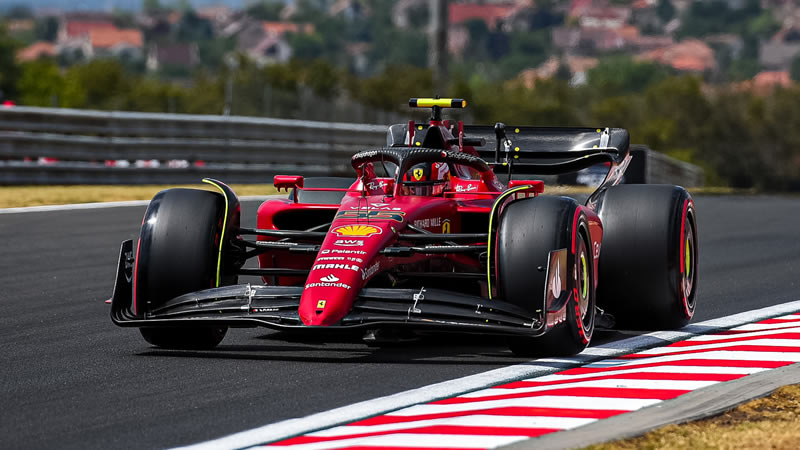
88	38
691	55
490	13
35	51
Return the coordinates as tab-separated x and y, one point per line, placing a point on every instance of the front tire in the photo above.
178	254
529	230
648	262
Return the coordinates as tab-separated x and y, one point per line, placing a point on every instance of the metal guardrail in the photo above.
237	149
652	167
232	148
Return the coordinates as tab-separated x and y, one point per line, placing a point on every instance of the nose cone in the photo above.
362	228
329	293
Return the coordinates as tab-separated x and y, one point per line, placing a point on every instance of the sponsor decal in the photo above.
263	310
466	187
349	243
321	304
397	216
418	173
446	226
330	278
366	273
336	266
596	250
376	184
337	251
326	284
330	258
428	222
380	206
354	259
555	285
367	154
357	230
556	276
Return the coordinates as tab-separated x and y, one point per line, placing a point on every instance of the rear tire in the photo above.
529	230
178	254
648	262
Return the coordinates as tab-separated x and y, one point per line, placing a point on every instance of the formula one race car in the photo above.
425	239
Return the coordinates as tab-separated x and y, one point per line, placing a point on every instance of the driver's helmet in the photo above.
426	179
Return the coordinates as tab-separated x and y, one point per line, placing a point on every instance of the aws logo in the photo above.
356	230
397	216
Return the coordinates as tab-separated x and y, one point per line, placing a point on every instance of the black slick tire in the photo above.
178	252
648	261
528	231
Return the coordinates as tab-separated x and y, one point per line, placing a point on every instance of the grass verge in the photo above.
770	422
15	196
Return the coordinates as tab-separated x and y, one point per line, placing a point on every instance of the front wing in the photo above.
247	305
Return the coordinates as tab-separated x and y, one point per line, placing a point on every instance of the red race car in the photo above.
425	239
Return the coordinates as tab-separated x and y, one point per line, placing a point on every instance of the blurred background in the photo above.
708	82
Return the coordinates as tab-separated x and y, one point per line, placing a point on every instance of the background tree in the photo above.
621	74
46	29
665	10
9	70
40	83
269	10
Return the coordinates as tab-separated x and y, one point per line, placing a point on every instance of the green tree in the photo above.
41	83
100	84
389	89
265	10
152	7
307	46
665	10
9	70
795	69
46	29
743	69
193	28
621	74
323	78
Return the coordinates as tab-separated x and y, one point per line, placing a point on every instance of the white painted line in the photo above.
764	326
780	328
346	414
790	317
687	385
543	401
716	355
767	342
104	205
414	441
657	369
478	420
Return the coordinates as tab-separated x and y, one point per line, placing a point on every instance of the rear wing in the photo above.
548	150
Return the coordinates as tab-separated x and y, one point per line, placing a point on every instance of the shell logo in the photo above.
357	230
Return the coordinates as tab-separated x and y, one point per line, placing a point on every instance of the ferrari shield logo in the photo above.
321	304
418	174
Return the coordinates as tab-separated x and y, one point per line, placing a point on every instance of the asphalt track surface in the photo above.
69	378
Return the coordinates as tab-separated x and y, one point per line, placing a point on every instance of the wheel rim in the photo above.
584	284
689	260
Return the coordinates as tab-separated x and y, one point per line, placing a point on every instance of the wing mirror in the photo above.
288	181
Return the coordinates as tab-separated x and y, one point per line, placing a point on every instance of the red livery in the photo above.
442	230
